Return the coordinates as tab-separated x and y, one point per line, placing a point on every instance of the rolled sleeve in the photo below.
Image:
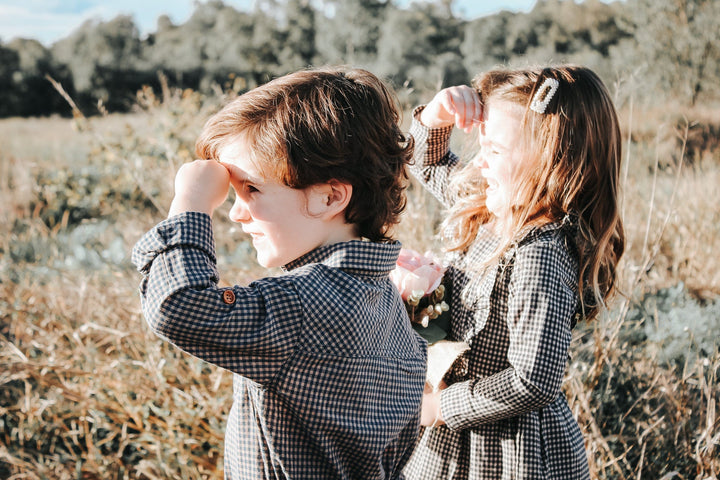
433	162
188	229
432	145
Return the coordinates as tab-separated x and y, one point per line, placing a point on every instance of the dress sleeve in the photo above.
432	160
541	302
248	330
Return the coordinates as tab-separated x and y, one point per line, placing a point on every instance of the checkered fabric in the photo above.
506	415
328	371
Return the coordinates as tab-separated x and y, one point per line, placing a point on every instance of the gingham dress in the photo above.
506	415
328	371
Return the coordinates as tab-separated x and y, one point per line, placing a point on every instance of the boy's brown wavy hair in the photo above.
323	124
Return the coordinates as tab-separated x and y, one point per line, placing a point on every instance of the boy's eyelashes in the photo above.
243	186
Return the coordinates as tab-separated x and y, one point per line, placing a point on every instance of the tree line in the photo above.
670	45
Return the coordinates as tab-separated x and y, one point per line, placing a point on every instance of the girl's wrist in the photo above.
429	120
438	412
437	419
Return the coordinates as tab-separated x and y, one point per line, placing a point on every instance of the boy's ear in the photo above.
329	199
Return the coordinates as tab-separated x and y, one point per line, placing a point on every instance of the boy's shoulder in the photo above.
328	283
352	312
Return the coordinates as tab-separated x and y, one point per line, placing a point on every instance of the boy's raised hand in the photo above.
200	186
459	105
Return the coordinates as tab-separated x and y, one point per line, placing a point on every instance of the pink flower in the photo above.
416	275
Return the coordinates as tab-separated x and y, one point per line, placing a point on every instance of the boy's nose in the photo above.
239	212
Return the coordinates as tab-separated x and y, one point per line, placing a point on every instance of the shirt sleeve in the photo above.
248	330
541	303
433	161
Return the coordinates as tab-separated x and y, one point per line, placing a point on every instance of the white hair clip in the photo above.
544	94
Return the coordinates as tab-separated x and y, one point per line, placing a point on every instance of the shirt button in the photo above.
228	297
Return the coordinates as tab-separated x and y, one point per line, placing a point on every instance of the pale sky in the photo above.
51	20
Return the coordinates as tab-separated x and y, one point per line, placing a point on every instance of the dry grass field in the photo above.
86	392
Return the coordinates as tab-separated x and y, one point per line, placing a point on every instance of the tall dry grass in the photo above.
87	392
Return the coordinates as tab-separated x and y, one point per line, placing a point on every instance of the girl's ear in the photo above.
329	199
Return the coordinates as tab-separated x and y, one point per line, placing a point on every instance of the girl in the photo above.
534	240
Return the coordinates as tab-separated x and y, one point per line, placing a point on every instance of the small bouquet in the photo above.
419	280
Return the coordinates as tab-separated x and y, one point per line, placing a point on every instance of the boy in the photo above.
328	374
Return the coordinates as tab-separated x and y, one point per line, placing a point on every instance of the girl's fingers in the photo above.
459	106
469	115
447	102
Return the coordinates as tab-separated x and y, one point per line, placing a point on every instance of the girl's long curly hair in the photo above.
577	146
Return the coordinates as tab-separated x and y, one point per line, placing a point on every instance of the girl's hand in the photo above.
200	186
458	105
430	414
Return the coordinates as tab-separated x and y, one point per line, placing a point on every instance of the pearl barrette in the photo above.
544	94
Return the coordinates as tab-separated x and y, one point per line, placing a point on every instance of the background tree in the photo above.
204	49
351	30
178	51
484	43
553	31
26	91
103	60
297	33
265	43
420	47
9	64
679	41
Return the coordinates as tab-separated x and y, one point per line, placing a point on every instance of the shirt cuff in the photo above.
434	141
454	406
187	230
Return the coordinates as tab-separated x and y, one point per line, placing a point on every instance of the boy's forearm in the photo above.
167	292
175	256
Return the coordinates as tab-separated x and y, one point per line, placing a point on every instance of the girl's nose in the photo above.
479	160
239	212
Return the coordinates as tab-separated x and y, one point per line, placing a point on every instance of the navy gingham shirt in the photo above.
328	373
506	416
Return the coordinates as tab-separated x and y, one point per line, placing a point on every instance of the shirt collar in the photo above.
369	258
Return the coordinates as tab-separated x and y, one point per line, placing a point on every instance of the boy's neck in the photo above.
344	232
